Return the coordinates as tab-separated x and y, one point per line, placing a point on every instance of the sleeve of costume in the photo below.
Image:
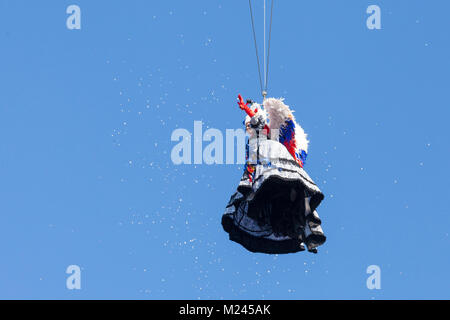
287	138
257	122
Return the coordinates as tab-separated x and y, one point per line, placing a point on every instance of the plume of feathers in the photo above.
278	113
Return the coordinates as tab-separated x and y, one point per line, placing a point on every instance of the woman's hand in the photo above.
244	106
241	103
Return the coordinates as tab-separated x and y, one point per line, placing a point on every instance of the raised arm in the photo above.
245	107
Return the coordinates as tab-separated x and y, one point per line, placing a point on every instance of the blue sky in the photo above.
86	119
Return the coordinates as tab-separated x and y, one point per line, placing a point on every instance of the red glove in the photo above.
244	106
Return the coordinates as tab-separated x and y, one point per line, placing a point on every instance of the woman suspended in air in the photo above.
274	207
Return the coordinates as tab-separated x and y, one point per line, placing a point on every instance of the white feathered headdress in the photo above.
278	113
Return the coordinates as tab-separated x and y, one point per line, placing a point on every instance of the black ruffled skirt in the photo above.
274	209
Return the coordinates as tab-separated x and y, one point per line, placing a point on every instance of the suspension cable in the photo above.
263	85
256	45
268	48
264	46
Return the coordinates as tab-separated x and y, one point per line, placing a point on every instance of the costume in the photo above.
274	208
